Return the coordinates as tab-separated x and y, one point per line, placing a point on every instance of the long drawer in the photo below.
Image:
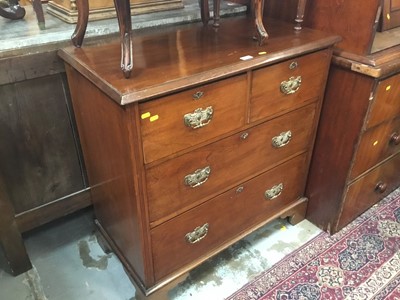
386	103
188	118
181	183
287	85
376	144
369	189
200	230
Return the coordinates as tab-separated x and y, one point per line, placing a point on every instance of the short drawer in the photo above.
369	189
386	104
204	228
288	85
188	118
376	144
185	181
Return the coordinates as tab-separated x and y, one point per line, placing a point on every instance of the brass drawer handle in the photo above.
381	187
199	118
197	95
291	86
273	192
395	139
282	139
198	177
197	234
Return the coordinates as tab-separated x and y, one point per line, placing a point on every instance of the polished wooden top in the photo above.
175	57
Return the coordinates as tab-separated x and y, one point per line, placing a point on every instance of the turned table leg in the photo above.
10	237
301	6
205	12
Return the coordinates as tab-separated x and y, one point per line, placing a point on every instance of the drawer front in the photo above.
376	144
224	217
369	189
188	118
171	186
386	104
278	88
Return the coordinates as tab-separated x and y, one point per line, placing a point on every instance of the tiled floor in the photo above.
69	264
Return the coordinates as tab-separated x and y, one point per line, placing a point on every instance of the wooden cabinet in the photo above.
206	142
356	157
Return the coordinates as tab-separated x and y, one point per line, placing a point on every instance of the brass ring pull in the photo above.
197	95
199	118
395	139
197	234
291	86
274	192
198	177
282	139
381	187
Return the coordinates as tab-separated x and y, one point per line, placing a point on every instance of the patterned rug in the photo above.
362	261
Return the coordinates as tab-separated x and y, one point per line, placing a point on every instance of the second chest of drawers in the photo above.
357	155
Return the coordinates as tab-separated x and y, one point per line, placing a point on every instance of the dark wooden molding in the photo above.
37	216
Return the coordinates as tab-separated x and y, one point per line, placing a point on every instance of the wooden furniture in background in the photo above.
356	160
104	9
11	9
208	140
40	155
125	26
390	15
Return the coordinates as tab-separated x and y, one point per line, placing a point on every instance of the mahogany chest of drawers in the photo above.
208	140
357	156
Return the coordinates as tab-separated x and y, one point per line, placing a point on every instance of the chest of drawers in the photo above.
208	140
357	156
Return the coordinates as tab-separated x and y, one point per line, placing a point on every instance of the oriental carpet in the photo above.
362	261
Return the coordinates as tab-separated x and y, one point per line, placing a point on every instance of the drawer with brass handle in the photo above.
182	120
205	227
288	85
376	144
188	180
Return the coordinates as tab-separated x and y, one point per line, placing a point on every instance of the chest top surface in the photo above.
176	57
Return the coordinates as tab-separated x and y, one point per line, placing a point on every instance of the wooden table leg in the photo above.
80	28
38	8
301	6
204	11
261	33
123	10
216	10
10	237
